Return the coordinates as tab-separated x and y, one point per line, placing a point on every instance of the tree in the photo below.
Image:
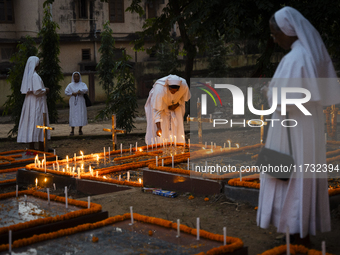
167	56
189	18
13	104
50	71
106	65
123	99
217	58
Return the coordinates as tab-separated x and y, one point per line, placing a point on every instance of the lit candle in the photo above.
82	155
16	190
136	146
162	162
170	139
54	186
188	164
119	178
183	139
323	247
130	148
78	172
229	144
156	160
88	202
131	212
75	157
128	176
173	163
53	167
56	158
58	166
36	161
121	149
163	142
66	202
237	145
211	146
67	158
48	196
10	241
104	152
36	183
175	140
198	228
97	159
178	228
224	235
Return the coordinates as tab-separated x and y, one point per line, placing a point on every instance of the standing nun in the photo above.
302	203
78	112
34	106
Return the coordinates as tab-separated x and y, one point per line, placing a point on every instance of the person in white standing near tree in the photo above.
165	109
302	203
34	106
78	112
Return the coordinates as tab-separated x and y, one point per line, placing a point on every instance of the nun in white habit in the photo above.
78	112
302	203
34	106
165	108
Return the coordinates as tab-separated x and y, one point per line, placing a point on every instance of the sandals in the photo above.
72	134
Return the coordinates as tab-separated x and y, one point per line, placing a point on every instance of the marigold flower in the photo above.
191	197
206	199
95	239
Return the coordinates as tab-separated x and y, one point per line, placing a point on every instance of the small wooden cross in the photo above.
113	130
199	119
45	128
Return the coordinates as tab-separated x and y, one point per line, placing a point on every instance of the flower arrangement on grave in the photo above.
251	181
10	170
127	183
93	209
7	181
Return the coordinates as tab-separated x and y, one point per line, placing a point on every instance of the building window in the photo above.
6	11
6	53
152	12
116	11
85	54
83	9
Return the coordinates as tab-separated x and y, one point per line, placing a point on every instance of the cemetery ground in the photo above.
239	218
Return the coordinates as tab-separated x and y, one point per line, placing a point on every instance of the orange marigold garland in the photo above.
7	181
93	209
294	249
233	243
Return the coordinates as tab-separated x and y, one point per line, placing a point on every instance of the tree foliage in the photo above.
106	65
14	102
167	55
217	58
50	71
123	99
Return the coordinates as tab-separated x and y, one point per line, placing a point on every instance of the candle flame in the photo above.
97	157
63	169
45	180
140	180
67	158
140	150
104	177
82	166
81	153
237	145
36	181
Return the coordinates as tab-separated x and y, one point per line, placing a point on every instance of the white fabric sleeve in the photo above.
38	86
84	89
157	115
68	91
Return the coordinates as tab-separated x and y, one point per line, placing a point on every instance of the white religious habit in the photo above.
156	109
78	111
302	203
34	105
